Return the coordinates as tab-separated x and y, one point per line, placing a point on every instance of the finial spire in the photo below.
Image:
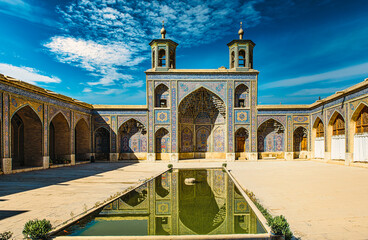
163	30
241	32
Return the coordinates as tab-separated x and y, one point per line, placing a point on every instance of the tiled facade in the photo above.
189	114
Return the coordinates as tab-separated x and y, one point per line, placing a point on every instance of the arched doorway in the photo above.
162	96
82	141
337	125
271	139
26	139
360	134
319	141
59	140
102	144
241	96
201	113
132	137
241	143
300	142
162	142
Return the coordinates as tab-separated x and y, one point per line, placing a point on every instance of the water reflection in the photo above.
182	202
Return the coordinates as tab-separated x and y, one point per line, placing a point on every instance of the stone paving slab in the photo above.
319	200
58	194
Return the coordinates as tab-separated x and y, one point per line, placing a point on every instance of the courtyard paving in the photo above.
320	201
60	193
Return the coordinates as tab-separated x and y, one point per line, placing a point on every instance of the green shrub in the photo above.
280	226
224	165
37	229
6	235
170	165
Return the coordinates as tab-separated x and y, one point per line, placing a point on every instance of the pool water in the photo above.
178	202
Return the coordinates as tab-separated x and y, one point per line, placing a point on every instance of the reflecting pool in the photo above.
180	202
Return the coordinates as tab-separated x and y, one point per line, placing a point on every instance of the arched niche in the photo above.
162	96
102	144
271	139
318	138
162	142
82	141
359	134
241	140
336	136
59	139
300	142
132	140
26	138
200	114
241	96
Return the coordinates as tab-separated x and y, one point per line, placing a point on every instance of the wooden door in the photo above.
240	144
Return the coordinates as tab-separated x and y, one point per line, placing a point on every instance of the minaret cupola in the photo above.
241	52
163	52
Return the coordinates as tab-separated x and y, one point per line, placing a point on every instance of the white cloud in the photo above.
110	38
348	72
111	91
87	90
27	74
102	59
317	91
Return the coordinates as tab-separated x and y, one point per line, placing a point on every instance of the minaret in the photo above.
163	52
241	52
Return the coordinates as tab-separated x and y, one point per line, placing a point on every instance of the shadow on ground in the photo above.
20	182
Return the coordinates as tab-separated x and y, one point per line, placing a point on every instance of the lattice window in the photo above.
338	126
362	121
320	129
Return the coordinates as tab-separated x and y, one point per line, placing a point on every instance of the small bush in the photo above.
170	165
224	165
280	226
37	229
6	235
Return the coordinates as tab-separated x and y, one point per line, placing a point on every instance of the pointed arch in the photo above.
334	115
82	140
358	110
27	105
102	143
300	139
181	98
132	139
316	122
162	95
135	119
162	61
59	139
59	112
26	138
241	96
162	140
270	118
271	136
242	140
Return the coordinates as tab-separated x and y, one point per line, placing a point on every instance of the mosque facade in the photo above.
190	114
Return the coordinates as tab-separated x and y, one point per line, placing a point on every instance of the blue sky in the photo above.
97	51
